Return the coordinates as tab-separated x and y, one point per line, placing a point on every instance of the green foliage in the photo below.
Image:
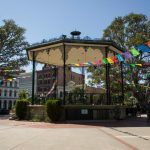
53	109
21	108
127	31
23	94
12	45
130	30
78	95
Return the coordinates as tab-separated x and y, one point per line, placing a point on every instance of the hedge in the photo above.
53	109
21	108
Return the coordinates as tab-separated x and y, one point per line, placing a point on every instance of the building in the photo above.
50	81
25	82
8	93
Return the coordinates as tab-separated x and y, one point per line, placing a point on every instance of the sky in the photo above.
45	19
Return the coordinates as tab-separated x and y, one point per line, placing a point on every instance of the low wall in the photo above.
36	111
79	112
94	112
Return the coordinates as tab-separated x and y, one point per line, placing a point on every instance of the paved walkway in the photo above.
109	135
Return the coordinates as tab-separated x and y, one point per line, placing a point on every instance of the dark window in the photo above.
0	92
5	104
5	93
15	93
10	93
10	105
40	81
10	83
61	94
5	83
45	81
15	83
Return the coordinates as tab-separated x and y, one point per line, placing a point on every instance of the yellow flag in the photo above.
139	65
110	60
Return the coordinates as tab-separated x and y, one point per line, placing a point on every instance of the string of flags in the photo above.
10	71
127	55
9	75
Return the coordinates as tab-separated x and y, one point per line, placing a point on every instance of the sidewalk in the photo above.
131	134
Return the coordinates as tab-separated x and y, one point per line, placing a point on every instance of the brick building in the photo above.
50	81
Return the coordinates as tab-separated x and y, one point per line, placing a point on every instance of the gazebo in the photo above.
68	51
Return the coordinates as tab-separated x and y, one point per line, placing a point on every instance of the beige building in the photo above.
8	93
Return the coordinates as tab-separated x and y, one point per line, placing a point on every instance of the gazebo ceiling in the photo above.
75	50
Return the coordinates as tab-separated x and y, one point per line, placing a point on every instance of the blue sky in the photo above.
45	19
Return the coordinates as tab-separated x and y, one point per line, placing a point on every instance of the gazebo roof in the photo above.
75	51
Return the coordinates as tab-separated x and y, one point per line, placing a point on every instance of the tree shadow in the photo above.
128	122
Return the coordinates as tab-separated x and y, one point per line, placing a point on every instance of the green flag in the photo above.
132	65
104	60
134	52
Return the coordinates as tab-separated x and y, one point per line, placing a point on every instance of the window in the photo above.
15	83
5	83
15	93
10	83
39	89
10	93
45	81
10	105
5	93
61	94
1	82
0	92
40	81
5	104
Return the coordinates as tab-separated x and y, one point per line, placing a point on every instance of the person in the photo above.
148	111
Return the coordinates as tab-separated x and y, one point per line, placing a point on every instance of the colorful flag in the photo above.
143	48
132	65
114	58
104	60
127	55
148	44
99	62
81	64
85	64
110	60
134	52
77	65
140	65
90	63
94	63
120	58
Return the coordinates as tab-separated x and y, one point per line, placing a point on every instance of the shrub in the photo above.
21	108
53	109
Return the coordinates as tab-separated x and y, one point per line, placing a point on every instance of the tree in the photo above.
129	31
12	45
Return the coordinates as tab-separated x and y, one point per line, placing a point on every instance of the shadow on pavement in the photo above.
4	117
128	122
